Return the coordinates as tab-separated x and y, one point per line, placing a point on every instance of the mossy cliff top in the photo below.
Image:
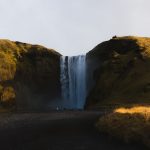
121	45
123	73
29	74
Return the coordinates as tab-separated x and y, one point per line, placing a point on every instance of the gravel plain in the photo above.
56	130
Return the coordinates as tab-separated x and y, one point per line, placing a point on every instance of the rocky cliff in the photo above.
123	72
29	75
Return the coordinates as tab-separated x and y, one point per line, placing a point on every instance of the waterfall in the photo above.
73	81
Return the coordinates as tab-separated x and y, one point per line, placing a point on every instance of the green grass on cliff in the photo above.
143	43
26	63
124	73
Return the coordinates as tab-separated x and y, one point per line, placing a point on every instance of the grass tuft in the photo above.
127	124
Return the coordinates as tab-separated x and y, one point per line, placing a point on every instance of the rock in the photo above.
123	72
29	75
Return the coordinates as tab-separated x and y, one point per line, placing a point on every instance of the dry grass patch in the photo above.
142	110
127	124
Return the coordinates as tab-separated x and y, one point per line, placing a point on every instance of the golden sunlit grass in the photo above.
128	124
142	110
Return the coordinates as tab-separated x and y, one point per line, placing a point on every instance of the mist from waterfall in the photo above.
73	81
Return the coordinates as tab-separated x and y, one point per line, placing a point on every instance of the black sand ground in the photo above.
68	130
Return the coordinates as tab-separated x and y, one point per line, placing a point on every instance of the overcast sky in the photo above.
72	27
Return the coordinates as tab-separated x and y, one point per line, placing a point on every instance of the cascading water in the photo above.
73	81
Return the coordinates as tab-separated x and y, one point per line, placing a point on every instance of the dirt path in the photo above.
54	131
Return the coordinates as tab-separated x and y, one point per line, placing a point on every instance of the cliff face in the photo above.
123	71
29	75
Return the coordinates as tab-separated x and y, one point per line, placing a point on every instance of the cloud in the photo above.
72	27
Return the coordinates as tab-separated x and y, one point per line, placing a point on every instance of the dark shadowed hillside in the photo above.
29	75
123	73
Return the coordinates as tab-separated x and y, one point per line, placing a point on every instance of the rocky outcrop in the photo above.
29	75
123	72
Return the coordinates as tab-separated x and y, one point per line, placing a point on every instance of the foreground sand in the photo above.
70	130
